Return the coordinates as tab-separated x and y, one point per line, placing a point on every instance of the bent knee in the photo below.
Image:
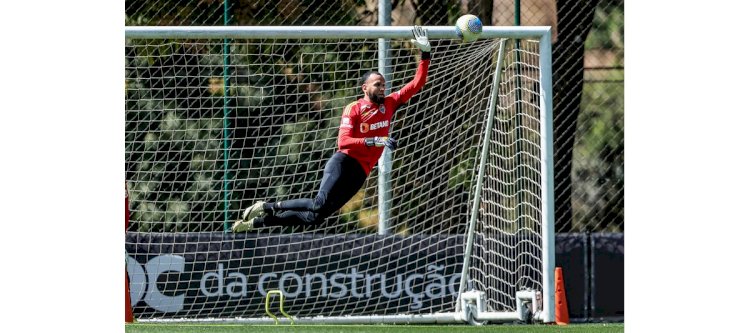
311	218
318	204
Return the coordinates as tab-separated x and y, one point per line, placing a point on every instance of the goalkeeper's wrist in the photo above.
374	141
425	55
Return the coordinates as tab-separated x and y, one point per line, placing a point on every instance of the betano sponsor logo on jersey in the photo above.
417	287
365	127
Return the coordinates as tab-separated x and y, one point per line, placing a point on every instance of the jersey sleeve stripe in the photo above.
349	108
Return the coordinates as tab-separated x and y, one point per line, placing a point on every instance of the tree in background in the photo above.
574	22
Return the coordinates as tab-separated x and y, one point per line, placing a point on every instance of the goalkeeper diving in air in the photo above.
363	134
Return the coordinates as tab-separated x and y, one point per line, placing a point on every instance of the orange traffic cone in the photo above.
561	303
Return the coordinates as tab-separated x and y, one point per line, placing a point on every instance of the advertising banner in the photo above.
197	275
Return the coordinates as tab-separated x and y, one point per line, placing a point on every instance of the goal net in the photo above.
217	119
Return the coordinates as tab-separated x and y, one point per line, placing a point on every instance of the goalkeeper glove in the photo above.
420	39
380	141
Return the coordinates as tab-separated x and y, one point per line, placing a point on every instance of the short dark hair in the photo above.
367	76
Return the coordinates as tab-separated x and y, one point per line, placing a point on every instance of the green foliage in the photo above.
176	112
599	158
609	27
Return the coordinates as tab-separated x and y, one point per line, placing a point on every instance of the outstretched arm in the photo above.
420	78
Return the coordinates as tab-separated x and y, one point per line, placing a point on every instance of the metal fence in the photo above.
588	75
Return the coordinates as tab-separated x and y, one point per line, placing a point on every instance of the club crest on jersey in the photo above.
382	109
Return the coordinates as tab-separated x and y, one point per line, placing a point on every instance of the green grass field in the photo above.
232	328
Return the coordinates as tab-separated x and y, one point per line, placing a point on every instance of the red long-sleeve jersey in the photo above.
363	119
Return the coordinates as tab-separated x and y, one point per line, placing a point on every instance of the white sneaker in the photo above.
242	225
253	211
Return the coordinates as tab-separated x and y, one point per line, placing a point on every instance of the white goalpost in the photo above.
455	225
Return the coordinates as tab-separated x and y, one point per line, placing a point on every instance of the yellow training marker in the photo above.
281	306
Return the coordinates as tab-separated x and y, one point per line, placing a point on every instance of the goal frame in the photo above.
470	304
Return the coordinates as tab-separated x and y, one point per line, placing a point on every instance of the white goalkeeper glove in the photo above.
420	39
380	141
